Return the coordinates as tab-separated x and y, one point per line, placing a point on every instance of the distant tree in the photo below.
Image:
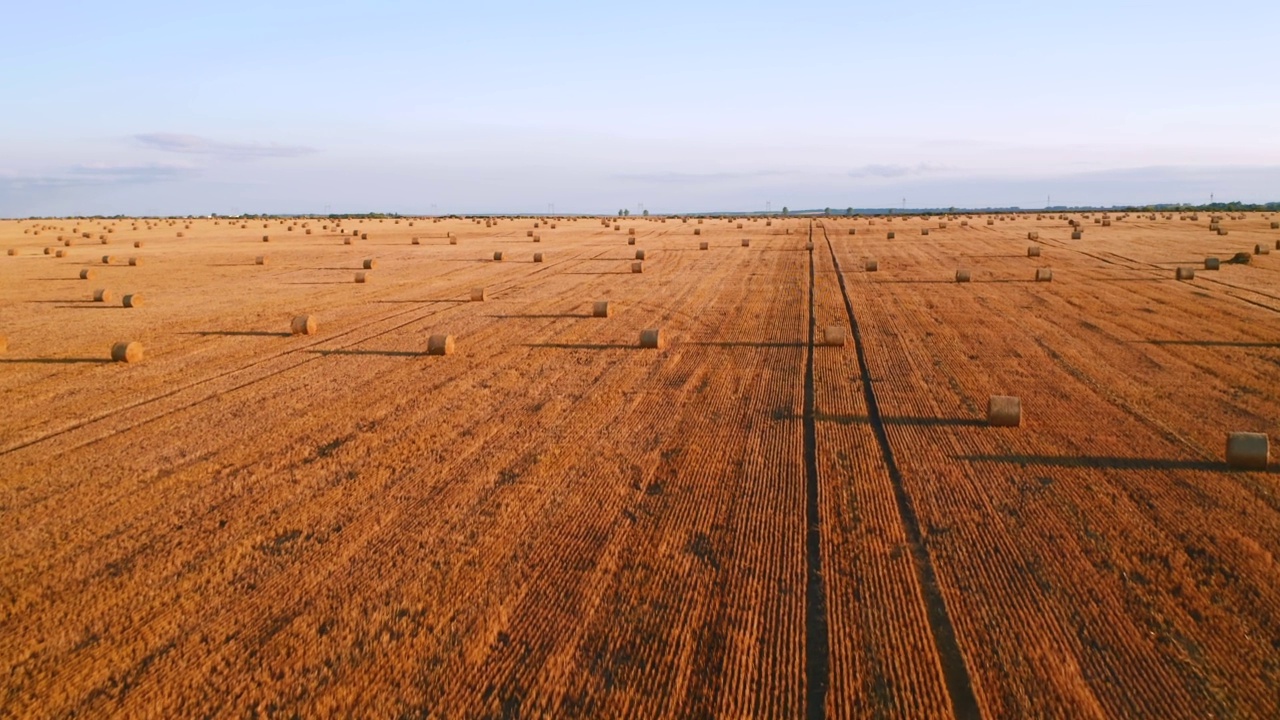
848	211
826	211
784	210
646	213
626	213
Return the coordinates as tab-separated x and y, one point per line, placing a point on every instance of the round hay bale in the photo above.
601	308
1222	231
266	238
103	296
497	256
354	233
704	245
637	267
1261	250
133	300
87	274
107	259
808	245
103	241
537	238
991	221
303	325
478	294
631	241
942	226
126	352
67	243
48	251
364	236
632	231
1275	225
60	253
440	345
924	231
416	241
1248	450
746	242
453	240
308	231
962	275
639	255
528	233
617	227
179	235
768	223
537	257
137	243
261	260
1185	273
1077	235
1044	275
1033	251
890	235
871	265
1106	223
362	277
833	336
346	241
651	338
853	231
1004	411
1033	235
370	264
697	231
1212	263
135	261
739	226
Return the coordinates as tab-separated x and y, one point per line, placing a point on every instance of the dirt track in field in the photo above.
553	521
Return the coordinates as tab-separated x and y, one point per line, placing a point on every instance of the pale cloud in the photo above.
196	145
895	171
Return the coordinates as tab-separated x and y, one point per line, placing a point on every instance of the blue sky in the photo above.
150	107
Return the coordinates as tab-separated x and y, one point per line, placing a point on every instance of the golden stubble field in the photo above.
554	522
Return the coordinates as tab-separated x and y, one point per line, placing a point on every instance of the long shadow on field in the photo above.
581	346
419	302
544	316
739	344
90	305
239	264
384	353
1210	343
1101	462
327	282
55	361
905	421
238	333
60	279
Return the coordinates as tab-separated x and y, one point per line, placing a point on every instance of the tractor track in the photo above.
964	703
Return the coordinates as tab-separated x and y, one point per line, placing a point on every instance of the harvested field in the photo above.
551	521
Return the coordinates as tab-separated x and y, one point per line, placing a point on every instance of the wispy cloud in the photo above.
196	145
894	171
679	177
99	174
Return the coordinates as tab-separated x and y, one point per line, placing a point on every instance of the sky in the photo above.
589	107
